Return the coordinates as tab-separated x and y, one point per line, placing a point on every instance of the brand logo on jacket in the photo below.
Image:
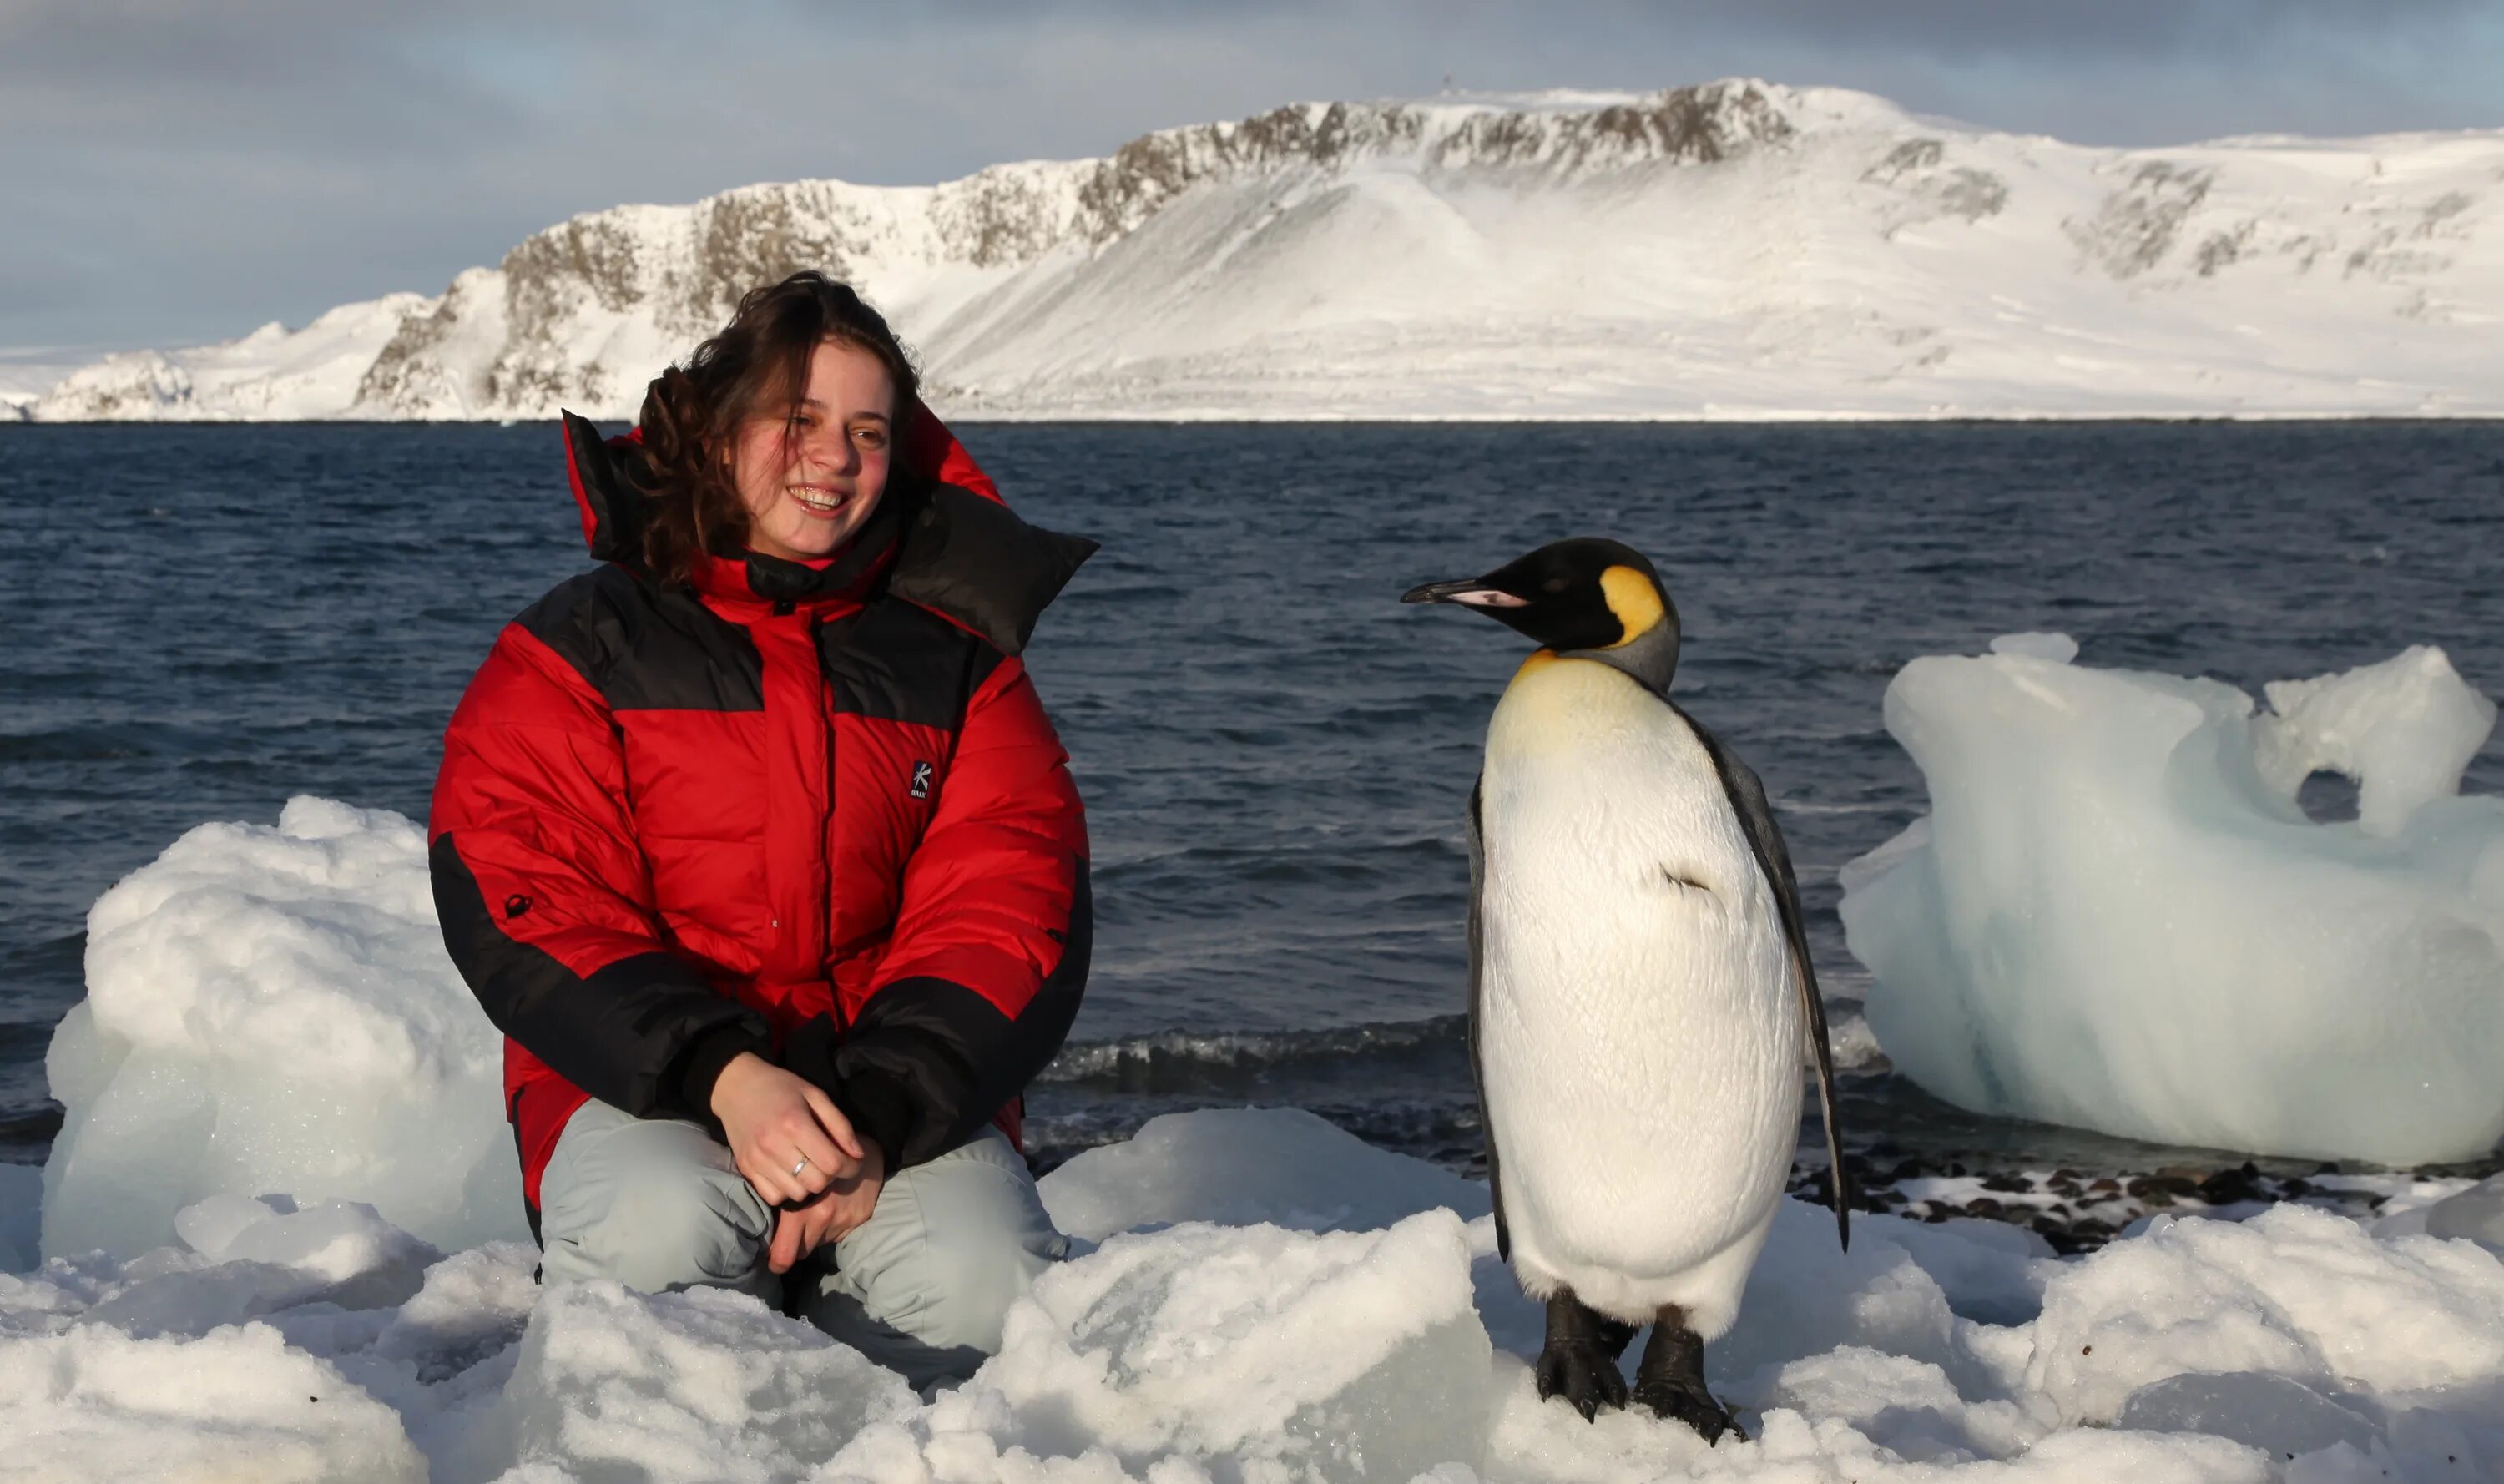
922	780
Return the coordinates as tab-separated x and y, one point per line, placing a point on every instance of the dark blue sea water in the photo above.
202	621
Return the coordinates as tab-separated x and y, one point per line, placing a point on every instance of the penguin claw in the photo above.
1695	1407
1586	1378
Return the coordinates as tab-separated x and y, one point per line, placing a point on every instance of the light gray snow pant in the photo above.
920	1287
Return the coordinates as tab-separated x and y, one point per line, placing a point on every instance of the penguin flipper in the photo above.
1477	1068
1748	801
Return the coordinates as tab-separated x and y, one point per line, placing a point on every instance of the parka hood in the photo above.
957	548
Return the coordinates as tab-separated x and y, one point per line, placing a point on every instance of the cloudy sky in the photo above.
173	171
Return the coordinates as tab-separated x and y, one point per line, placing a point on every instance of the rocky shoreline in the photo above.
2077	1211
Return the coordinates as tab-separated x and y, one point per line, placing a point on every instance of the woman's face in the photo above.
809	482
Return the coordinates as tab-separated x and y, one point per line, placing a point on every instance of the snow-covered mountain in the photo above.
1736	250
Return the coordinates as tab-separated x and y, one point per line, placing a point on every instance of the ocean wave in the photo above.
1171	1053
1174	1060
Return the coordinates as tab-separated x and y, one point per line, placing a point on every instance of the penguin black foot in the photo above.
1579	1360
1670	1381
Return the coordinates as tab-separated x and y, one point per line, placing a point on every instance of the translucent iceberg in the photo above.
2117	916
271	1010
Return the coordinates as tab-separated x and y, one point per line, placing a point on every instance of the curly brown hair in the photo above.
760	361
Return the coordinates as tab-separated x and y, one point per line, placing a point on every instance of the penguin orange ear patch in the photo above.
1634	600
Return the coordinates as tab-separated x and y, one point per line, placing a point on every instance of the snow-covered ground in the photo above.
2118	916
26	375
1259	1296
1738	250
1255	1295
273	374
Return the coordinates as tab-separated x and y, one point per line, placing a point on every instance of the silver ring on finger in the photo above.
802	1165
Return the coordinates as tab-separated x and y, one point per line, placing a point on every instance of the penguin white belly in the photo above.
1639	1030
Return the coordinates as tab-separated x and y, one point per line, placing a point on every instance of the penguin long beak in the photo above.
1472	592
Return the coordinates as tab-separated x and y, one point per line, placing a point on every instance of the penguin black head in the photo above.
1590	598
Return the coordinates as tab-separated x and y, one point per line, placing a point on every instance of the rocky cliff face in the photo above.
680	273
1733	249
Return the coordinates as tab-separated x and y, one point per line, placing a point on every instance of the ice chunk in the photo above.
700	1386
1241	1165
341	1261
2294	1292
2404	731
2477	1214
2266	1411
1912	1403
469	1305
272	1009
1806	1295
1254	1352
2058	648
2112	918
1988	1270
369	1262
95	1403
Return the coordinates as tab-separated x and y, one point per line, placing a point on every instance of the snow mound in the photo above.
242	1404
2117	916
1262	1352
1246	1165
272	1009
2293	1292
698	1387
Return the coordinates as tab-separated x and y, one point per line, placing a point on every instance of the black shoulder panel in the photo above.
896	662
977	561
648	650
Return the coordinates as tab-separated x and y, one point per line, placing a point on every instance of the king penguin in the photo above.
1640	988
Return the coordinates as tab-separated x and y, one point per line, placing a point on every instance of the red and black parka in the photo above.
811	812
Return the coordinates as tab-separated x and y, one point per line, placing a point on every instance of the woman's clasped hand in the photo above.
799	1152
789	1139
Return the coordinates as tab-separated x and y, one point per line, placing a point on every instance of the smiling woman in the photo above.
757	846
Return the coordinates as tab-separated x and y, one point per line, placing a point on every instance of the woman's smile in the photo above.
811	478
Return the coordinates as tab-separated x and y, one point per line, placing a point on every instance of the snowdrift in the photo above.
2117	916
